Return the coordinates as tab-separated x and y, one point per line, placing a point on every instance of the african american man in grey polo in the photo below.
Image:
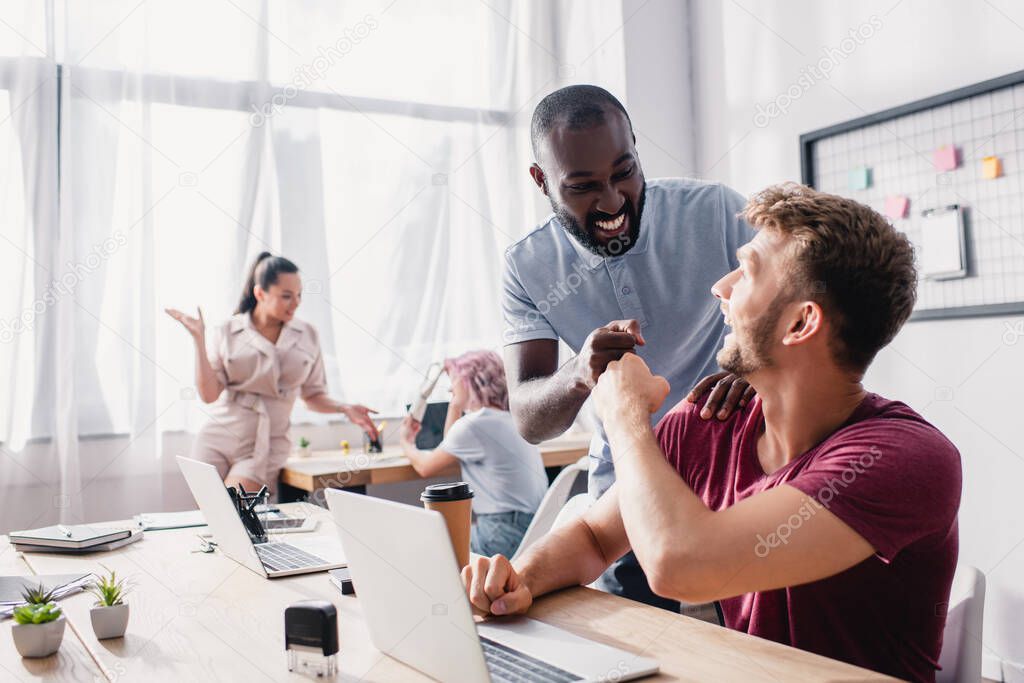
623	265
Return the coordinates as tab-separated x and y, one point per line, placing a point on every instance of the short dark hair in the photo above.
577	106
848	258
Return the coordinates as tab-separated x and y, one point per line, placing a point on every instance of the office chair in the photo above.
549	508
961	640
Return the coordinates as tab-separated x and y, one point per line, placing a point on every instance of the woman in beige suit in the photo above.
255	365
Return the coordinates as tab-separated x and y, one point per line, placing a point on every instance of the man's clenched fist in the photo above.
494	587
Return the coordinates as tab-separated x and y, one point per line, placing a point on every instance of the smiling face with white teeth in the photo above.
592	177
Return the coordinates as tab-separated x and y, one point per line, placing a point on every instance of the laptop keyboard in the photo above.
278	557
506	664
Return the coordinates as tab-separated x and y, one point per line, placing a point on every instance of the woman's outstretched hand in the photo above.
195	326
360	415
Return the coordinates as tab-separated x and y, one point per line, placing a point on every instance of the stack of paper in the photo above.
158	521
12	587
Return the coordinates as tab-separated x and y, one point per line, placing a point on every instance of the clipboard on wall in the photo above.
943	243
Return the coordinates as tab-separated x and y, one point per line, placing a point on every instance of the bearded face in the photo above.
747	348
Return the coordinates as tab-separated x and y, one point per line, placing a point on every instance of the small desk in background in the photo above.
333	469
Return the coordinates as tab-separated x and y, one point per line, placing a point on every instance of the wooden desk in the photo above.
202	617
332	469
72	662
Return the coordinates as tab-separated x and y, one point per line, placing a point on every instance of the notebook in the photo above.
74	536
124	537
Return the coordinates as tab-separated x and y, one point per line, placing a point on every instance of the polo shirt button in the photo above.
626	290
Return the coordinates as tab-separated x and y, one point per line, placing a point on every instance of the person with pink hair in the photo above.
505	472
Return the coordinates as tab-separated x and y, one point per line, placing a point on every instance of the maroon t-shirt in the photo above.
891	477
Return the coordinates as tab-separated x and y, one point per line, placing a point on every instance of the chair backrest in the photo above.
961	640
573	508
552	503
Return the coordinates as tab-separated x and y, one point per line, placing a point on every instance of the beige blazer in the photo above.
262	381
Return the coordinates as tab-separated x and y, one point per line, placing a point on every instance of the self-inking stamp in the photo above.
311	637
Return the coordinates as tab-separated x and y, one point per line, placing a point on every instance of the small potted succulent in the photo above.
110	615
38	625
304	450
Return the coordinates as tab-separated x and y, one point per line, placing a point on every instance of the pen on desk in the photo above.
64	530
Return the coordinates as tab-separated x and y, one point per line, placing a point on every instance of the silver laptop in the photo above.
271	559
404	572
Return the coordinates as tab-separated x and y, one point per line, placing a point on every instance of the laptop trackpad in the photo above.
586	658
327	548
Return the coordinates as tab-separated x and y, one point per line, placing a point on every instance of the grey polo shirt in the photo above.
689	233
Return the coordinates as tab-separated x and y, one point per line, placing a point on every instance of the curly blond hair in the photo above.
847	258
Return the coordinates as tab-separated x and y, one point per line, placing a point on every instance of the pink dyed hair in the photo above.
484	374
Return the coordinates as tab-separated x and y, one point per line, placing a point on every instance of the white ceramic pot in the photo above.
109	622
304	451
39	640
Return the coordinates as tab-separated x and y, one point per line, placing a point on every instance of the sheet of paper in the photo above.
942	254
152	521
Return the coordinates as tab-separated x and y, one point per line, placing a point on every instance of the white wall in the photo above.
747	53
658	85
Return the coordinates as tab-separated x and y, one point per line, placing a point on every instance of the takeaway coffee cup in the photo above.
455	502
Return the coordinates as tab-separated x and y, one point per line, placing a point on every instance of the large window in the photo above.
383	146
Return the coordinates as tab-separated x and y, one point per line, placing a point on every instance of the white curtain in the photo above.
37	397
382	146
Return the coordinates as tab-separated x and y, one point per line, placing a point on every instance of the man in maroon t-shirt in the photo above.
821	516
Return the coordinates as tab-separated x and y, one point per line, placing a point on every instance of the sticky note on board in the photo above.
945	158
859	178
896	206
991	167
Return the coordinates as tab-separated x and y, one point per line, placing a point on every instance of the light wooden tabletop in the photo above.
72	661
334	469
202	617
